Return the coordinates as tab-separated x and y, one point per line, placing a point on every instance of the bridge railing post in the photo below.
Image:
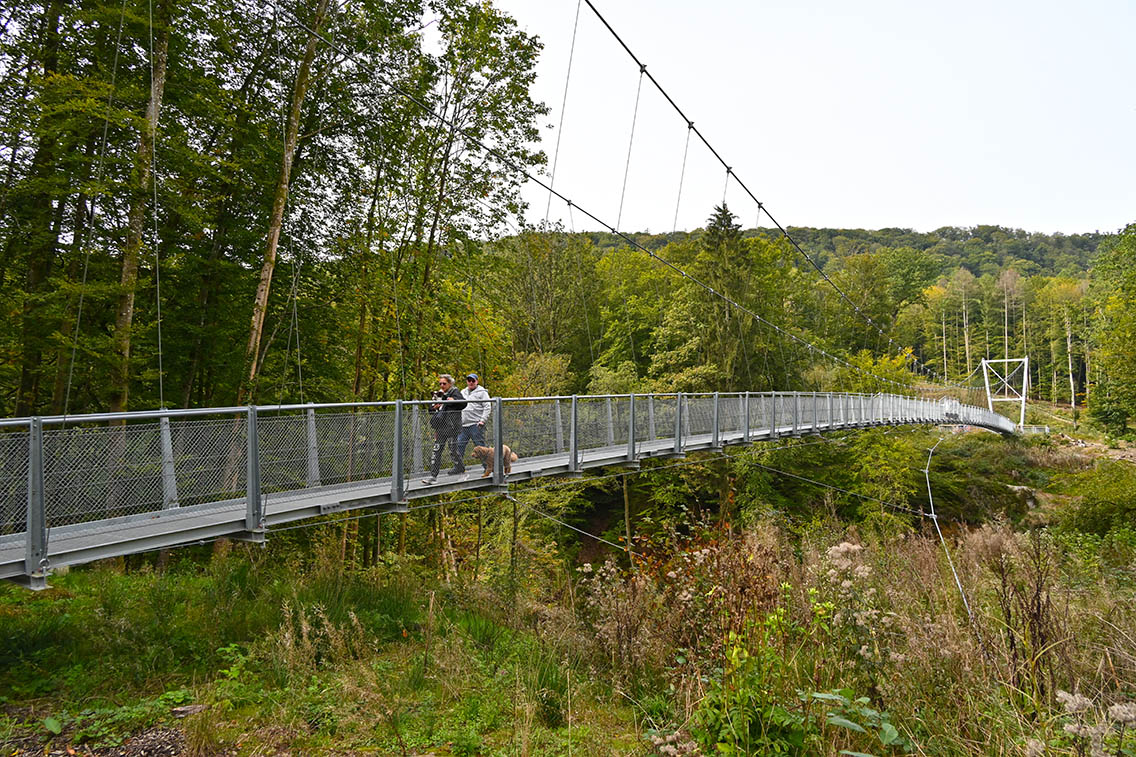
610	423
498	444
715	434
398	477
816	414
35	555
831	410
678	424
313	448
416	438
651	434
796	413
254	501
631	428
574	438
559	426
169	477
745	411
773	415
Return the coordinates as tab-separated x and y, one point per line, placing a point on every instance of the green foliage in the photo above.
742	714
1114	291
1107	498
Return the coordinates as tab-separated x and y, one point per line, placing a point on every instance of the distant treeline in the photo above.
980	249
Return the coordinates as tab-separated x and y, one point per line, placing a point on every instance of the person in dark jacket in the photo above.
445	419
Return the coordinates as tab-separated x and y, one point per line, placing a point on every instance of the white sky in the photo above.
858	115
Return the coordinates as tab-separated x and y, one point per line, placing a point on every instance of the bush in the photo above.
1108	498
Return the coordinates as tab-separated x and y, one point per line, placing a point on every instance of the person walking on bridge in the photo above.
474	416
445	419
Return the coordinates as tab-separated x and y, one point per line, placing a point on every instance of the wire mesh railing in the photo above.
71	471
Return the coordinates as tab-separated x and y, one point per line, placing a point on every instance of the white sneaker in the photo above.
430	480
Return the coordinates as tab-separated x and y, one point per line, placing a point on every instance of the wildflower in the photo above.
672	574
1074	703
862	571
585	568
1035	748
1125	713
845	584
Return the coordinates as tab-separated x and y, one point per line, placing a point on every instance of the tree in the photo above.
140	194
1113	398
280	197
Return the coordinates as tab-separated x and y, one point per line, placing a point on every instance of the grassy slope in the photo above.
298	655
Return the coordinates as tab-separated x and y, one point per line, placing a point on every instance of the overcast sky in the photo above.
840	114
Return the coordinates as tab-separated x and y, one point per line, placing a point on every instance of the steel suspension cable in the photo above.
682	174
630	144
935	519
93	212
563	110
475	141
154	211
743	185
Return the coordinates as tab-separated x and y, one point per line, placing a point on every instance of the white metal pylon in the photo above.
1004	390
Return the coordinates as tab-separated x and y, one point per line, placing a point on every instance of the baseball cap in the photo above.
472	376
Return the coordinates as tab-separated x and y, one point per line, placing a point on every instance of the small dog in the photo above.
486	455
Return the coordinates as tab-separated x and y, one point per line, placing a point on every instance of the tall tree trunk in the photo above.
365	284
966	332
1006	325
40	232
67	325
279	201
142	175
1069	357
944	342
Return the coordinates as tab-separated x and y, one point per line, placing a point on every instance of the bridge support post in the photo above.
610	423
631	430
574	439
832	410
796	415
398	480
498	445
651	417
313	448
254	501
816	413
773	415
416	438
678	424
559	426
716	434
169	478
745	427
36	568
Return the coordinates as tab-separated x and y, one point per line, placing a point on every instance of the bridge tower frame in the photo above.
1002	378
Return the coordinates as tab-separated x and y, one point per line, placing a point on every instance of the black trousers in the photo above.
440	442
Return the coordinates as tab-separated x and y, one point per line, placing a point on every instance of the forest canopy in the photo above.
248	202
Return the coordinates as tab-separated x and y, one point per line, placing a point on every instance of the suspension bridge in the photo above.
79	488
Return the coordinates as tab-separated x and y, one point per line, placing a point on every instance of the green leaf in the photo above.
888	733
856	754
53	725
845	723
829	697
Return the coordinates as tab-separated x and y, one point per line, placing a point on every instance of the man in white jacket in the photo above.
474	415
